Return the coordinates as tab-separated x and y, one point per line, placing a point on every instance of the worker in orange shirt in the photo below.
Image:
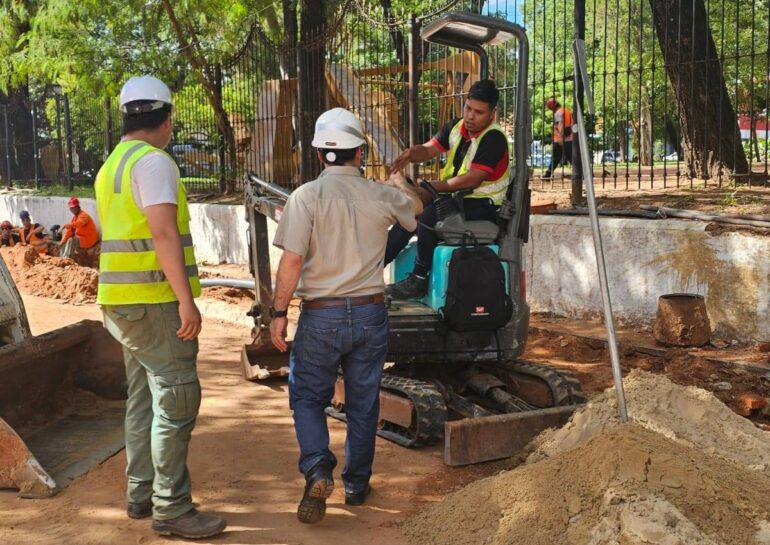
81	233
33	234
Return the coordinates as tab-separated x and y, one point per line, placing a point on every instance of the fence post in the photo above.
7	147
222	138
576	197
415	52
68	136
108	130
35	152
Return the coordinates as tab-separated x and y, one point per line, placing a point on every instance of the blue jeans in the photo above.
355	338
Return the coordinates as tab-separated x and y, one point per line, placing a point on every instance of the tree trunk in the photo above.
288	57
311	78
754	139
672	138
710	135
207	77
20	134
645	136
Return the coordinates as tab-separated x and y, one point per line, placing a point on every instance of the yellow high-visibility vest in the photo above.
129	270
489	189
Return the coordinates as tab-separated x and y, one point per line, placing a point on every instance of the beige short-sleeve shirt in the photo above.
339	224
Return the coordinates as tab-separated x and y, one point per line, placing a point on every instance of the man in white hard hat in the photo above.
147	283
333	232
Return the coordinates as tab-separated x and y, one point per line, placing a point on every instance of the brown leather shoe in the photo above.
191	525
139	510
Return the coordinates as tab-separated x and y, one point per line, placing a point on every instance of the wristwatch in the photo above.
278	313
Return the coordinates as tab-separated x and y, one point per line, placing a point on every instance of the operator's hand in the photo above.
278	333
191	321
400	162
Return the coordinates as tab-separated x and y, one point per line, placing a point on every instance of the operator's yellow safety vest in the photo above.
129	270
489	189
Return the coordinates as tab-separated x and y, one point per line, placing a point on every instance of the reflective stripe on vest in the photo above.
129	270
491	189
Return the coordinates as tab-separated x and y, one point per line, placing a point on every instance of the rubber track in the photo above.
428	418
565	388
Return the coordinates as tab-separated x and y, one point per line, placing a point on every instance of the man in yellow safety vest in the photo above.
478	158
147	283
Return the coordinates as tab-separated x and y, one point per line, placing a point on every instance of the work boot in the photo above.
139	510
191	525
357	498
411	287
319	484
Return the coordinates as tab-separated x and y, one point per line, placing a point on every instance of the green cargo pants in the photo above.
163	400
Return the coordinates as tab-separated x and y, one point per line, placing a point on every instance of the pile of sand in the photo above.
688	471
48	276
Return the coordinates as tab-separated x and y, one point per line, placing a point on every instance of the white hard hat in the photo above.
144	88
338	128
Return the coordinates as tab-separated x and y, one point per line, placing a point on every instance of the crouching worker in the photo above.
81	237
147	283
32	234
7	236
333	232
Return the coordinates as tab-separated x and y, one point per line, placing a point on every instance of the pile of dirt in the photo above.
49	276
686	471
689	415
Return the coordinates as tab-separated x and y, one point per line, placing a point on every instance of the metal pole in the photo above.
577	167
108	129
617	374
68	136
415	52
34	145
221	139
59	155
7	147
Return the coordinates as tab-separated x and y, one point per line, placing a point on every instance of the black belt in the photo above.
342	302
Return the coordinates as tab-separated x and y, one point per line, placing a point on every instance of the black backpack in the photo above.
476	299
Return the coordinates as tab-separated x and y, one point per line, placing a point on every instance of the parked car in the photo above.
540	160
606	156
195	159
673	156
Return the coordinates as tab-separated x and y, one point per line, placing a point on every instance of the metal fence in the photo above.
681	90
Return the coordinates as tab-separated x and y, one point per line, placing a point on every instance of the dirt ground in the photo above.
243	466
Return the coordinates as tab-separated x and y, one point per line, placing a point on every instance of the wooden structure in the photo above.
273	155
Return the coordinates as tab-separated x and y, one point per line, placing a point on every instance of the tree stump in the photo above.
682	320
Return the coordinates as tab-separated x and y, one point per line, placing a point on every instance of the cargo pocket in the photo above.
376	339
319	347
127	324
179	394
182	351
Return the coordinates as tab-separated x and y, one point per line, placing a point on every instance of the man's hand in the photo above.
278	333
191	321
400	162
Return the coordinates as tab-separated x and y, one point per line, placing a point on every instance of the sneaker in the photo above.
357	498
191	525
319	484
139	510
411	287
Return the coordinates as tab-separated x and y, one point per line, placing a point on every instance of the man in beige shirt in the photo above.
333	233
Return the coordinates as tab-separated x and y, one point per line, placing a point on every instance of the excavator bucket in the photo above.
261	360
62	405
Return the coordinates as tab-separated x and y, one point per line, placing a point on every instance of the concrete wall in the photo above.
646	259
219	231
